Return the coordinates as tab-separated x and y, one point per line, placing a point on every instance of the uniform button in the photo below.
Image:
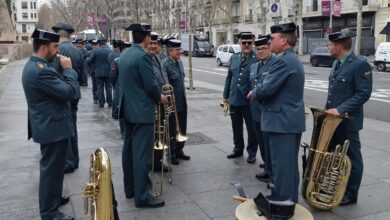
239	79
242	68
269	109
331	86
255	80
343	80
238	84
330	94
332	78
240	74
328	101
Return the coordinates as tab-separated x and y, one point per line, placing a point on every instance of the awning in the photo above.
386	29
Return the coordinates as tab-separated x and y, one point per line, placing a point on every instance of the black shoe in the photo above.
251	159
264	177
64	200
69	170
262	165
95	102
347	200
130	196
101	106
174	161
153	203
234	154
182	156
62	216
109	105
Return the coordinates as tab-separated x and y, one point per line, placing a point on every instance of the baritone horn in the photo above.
326	171
98	192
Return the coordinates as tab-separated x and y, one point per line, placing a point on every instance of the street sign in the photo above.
274	10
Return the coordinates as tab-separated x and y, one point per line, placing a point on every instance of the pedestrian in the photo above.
139	95
115	53
48	94
237	87
350	86
283	110
91	69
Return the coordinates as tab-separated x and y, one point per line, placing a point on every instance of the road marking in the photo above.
322	86
205	71
220	69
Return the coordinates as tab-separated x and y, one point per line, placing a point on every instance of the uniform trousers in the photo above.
238	115
137	160
51	178
284	149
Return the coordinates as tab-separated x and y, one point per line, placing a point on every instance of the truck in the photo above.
200	45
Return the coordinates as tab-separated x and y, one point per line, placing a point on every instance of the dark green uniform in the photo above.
258	73
69	50
237	87
283	118
350	86
48	94
175	73
138	97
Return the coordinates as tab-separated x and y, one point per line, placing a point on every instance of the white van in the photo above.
382	56
224	52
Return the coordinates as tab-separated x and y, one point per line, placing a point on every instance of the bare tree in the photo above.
207	11
298	6
359	4
70	11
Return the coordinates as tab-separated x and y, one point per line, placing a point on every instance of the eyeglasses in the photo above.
246	42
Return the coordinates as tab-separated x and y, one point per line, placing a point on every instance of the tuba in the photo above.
98	193
326	172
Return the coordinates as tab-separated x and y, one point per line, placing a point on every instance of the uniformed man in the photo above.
91	70
88	45
115	53
259	71
237	87
115	78
283	111
162	79
139	95
69	50
175	71
350	86
84	52
50	124
102	72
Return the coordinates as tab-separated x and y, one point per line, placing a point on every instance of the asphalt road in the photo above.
316	85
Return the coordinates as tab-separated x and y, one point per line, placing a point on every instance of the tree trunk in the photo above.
358	26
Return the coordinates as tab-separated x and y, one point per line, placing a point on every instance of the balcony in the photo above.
236	19
248	19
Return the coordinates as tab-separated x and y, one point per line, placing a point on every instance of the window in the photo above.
315	5
24	28
32	16
35	5
225	49
365	2
24	16
24	5
35	15
231	50
220	49
15	18
31	5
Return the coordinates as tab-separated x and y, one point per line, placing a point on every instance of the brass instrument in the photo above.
225	106
180	137
326	174
161	141
98	192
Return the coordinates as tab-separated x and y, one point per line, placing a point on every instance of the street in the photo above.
316	85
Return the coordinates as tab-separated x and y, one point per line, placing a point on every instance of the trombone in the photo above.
161	136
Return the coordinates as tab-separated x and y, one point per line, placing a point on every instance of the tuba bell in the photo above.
98	192
326	172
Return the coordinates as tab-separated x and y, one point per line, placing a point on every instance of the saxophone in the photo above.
99	191
326	172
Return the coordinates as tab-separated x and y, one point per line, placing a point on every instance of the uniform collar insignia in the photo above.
41	65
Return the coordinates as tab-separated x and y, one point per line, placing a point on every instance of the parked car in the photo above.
321	56
224	52
382	56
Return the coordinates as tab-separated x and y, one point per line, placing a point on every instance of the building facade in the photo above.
24	18
7	32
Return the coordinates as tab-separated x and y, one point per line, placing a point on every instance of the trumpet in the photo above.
225	106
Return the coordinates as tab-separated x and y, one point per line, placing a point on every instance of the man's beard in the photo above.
50	57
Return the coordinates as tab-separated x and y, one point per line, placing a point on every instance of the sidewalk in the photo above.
200	188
